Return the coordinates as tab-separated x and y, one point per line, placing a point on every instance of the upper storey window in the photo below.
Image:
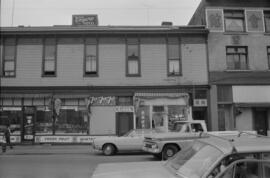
234	20
133	57
91	59
174	60
9	58
49	59
267	21
237	58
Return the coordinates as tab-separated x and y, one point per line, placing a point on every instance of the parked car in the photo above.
212	157
131	141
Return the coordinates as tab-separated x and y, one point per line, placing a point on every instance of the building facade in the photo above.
73	83
239	62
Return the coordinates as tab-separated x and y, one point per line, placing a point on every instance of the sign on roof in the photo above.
84	20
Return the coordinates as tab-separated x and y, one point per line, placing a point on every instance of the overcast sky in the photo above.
110	12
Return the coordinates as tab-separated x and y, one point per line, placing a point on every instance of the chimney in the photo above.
166	23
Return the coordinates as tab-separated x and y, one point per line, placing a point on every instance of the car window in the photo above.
242	169
196	127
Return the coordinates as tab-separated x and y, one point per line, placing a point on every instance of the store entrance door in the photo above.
29	114
260	121
124	122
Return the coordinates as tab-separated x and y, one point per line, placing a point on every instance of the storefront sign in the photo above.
82	20
11	108
64	139
13	139
124	109
102	100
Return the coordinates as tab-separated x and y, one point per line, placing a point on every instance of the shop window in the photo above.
174	59
49	58
143	117
71	121
237	58
176	113
91	57
268	56
267	21
13	118
9	58
44	121
125	101
224	93
133	57
234	20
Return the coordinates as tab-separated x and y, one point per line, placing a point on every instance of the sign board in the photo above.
200	102
64	139
85	20
124	109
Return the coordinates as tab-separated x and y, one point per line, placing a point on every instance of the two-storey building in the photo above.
71	83
239	62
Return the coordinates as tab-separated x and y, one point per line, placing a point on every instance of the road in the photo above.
46	161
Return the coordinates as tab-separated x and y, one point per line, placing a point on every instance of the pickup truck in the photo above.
180	136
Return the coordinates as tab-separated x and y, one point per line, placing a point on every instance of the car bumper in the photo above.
151	148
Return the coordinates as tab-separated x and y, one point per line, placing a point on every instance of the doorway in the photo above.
260	121
124	122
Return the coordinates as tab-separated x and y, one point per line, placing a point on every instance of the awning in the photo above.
251	94
16	95
160	95
252	105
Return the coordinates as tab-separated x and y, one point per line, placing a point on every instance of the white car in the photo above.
131	141
213	157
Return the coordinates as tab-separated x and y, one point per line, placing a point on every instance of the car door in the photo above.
246	168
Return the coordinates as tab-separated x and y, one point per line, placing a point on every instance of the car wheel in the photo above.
108	149
169	151
158	156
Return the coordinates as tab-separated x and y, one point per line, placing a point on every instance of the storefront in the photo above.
160	110
252	108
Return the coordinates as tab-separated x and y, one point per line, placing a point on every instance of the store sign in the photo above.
102	100
64	139
200	102
84	20
11	108
124	109
13	139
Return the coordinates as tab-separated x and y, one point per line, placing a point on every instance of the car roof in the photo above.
242	144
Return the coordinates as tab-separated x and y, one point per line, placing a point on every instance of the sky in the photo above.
110	12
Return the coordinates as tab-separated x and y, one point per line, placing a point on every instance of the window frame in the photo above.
238	54
139	56
266	14
233	18
96	43
268	56
4	60
180	57
44	57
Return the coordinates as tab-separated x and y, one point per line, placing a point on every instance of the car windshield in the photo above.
140	132
180	127
195	160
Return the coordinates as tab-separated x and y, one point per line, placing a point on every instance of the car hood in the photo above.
172	135
133	170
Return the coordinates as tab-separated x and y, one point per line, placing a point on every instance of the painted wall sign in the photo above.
254	20
102	100
124	109
64	139
84	20
214	20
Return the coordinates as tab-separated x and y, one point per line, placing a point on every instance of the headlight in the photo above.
154	146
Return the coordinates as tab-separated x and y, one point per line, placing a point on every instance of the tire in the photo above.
108	149
158	156
169	151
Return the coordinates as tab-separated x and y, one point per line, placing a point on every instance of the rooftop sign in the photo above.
84	20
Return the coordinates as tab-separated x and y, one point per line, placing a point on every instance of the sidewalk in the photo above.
47	149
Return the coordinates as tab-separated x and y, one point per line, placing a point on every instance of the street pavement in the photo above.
58	161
